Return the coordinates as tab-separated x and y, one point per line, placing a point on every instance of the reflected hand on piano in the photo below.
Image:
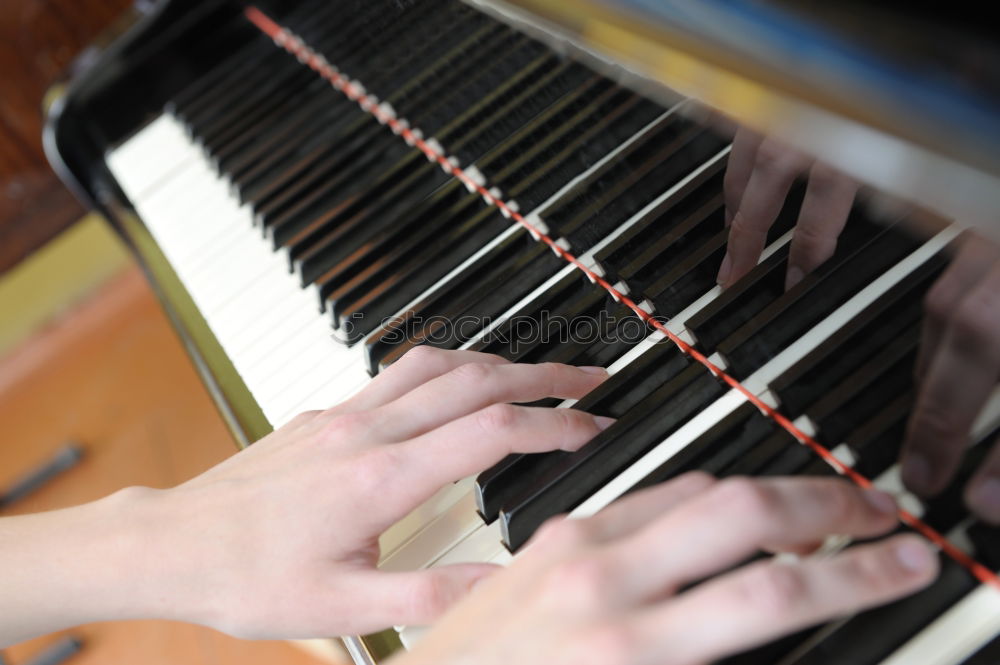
760	174
960	342
606	589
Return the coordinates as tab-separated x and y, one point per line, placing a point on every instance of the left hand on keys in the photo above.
281	540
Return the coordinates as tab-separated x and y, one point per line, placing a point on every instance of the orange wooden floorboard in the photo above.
113	375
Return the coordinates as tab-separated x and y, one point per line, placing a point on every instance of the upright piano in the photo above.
315	187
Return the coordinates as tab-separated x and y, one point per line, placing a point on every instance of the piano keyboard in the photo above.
421	168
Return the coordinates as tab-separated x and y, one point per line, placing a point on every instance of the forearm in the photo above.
102	561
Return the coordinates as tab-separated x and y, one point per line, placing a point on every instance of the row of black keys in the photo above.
397	232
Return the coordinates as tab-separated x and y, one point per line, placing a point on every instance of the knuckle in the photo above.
611	643
750	499
348	424
773	157
839	500
874	570
697	480
422	354
497	418
935	422
472	374
561	533
372	468
580	583
939	301
303	418
776	589
973	323
430	596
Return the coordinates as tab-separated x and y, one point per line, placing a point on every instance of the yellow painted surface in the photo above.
56	277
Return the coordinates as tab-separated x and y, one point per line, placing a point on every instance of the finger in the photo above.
477	441
739	517
827	203
959	380
414	369
774	172
973	259
621	518
474	386
762	602
982	494
739	168
634	511
411	598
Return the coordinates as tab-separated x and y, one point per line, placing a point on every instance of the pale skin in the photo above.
959	359
280	541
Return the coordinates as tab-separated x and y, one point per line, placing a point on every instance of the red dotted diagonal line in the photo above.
369	104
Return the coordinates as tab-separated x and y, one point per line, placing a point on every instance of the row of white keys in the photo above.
235	279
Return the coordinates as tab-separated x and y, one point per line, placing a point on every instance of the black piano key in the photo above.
504	275
876	443
861	395
739	303
757	458
871	636
614	398
811	300
598	462
555	81
613	195
682	210
945	510
897	310
764	285
693	259
267	106
717	448
989	654
986	540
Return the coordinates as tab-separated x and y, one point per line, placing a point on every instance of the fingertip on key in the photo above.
916	473
596	371
914	556
983	497
725	271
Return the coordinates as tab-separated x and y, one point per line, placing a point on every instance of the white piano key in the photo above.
957	634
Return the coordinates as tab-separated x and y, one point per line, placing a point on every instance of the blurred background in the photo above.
86	354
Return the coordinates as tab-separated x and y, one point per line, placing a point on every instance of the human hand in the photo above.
281	540
607	590
760	174
957	370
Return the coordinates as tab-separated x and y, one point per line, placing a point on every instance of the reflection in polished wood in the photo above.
38	41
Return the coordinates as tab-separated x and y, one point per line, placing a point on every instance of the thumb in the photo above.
420	597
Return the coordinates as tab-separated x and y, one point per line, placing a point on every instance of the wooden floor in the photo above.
112	375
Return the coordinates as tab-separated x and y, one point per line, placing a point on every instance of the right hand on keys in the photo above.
614	589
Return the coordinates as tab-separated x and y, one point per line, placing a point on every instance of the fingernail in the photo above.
917	473
914	556
725	270
984	498
596	371
882	502
603	422
795	276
